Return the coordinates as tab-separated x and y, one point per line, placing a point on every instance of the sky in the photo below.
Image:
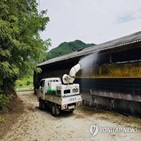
91	21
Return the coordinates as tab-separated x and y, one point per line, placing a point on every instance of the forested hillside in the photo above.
66	48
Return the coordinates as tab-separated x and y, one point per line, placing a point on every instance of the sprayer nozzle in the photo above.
71	77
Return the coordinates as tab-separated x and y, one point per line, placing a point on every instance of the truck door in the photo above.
41	89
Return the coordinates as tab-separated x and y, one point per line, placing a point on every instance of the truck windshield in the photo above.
42	83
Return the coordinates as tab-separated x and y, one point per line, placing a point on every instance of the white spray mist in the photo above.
87	63
89	60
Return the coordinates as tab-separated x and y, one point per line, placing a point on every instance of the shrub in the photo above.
4	101
28	83
21	85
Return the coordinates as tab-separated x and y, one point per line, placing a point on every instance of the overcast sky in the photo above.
92	21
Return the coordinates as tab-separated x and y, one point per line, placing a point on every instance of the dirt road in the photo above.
83	125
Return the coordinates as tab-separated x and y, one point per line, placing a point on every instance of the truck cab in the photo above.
47	85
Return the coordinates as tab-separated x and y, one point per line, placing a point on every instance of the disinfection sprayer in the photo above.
68	79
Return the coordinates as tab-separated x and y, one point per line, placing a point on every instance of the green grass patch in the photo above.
27	81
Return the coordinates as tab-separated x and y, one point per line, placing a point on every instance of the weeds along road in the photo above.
84	124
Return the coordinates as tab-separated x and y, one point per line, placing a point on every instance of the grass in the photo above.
25	84
27	81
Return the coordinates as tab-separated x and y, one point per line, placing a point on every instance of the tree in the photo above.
20	44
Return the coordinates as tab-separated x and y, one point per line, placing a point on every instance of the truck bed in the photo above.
63	100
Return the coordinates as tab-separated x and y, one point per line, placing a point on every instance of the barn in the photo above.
112	81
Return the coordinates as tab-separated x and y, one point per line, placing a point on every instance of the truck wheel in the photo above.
57	110
71	111
53	110
41	104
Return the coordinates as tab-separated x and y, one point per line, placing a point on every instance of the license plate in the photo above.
72	99
71	107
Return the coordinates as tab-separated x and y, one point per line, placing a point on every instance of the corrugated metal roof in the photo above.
129	39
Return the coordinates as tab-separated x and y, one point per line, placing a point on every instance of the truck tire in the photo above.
71	111
41	104
55	110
